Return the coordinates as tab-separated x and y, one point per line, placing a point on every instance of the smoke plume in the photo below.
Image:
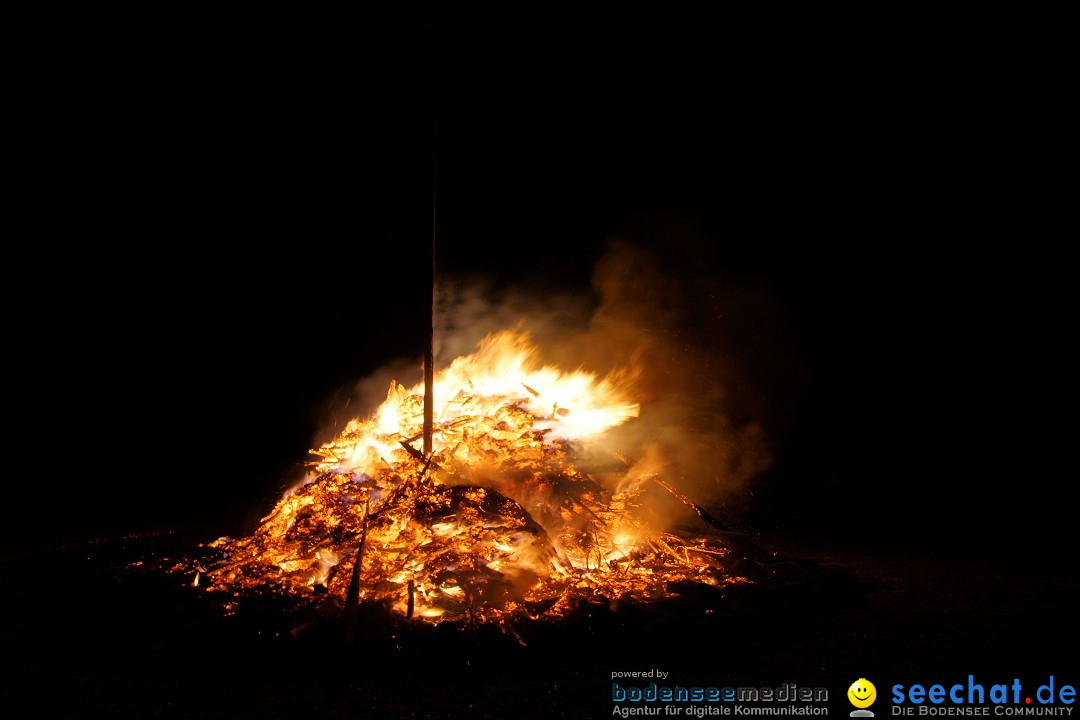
706	350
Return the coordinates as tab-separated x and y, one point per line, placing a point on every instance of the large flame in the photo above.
495	522
468	397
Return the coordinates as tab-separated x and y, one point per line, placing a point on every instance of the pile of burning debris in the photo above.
495	523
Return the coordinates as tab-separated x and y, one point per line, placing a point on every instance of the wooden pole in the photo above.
429	352
429	359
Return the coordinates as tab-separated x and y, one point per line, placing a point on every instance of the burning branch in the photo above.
352	598
702	512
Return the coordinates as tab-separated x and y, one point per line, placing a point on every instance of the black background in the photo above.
221	224
227	229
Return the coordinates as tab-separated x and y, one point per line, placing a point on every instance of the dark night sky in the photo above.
214	229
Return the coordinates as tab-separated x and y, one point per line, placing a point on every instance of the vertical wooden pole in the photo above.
429	351
429	358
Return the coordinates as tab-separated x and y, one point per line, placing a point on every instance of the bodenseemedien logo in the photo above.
862	694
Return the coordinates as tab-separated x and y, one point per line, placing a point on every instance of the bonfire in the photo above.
497	522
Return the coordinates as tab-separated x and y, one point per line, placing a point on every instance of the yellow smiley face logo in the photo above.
862	693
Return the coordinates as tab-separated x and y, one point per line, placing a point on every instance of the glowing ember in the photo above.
497	522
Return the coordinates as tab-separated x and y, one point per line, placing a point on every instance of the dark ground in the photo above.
85	637
220	242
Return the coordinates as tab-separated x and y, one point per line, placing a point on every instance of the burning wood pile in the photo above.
496	523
